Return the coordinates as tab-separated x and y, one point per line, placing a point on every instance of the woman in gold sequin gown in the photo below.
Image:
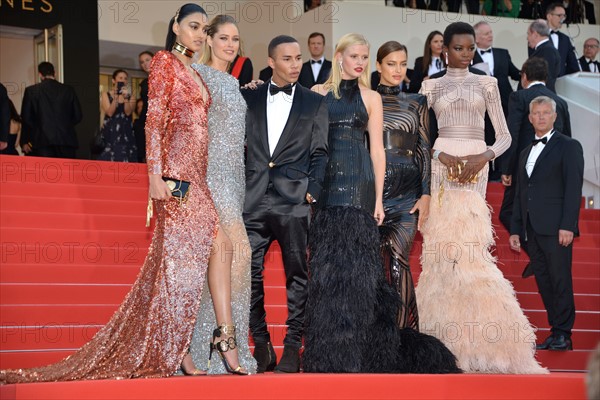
150	333
463	298
227	183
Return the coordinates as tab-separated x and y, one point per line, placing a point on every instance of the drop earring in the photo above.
446	58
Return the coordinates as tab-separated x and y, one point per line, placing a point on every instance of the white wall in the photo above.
145	22
17	69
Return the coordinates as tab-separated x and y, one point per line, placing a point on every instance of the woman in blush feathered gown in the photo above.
462	296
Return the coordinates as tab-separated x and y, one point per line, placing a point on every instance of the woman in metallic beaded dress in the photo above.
463	297
351	311
226	181
150	333
407	176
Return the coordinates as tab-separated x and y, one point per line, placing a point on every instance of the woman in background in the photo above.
431	62
117	129
463	298
407	177
145	58
226	180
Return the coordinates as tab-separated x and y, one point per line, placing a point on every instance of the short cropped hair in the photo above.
277	40
46	69
542	100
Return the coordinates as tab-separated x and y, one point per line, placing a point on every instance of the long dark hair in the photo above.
389	47
427	52
14	115
180	14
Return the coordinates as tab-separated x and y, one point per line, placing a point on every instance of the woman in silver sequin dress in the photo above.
226	180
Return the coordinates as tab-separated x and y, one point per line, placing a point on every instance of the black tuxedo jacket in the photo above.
585	66
503	69
265	74
548	52
568	59
50	112
520	128
306	77
298	163
551	197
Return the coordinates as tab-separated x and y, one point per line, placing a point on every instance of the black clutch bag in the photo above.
179	188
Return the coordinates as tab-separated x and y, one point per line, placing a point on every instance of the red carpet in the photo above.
73	239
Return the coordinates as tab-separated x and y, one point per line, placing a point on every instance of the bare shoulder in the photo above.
370	96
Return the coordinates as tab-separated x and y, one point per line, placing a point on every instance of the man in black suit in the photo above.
546	209
4	117
555	16
498	61
286	132
316	70
533	77
49	112
588	61
538	39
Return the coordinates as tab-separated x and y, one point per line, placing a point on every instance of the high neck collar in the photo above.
457	72
348	83
384	89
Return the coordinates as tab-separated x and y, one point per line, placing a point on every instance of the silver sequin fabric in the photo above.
226	181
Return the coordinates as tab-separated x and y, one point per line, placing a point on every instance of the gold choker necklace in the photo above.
178	47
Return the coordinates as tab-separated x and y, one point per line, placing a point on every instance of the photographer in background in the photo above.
118	105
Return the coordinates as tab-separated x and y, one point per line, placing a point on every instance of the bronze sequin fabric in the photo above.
227	182
150	333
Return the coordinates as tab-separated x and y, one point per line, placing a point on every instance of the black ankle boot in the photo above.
265	356
290	360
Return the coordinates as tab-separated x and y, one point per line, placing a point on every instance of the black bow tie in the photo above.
554	32
543	140
315	62
486	51
287	89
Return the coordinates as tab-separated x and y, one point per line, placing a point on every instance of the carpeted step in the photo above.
571	361
584	320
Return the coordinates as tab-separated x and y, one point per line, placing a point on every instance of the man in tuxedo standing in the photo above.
286	131
588	61
50	111
555	16
546	210
4	117
533	77
316	70
538	39
498	60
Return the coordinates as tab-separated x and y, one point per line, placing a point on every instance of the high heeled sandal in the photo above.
195	372
225	345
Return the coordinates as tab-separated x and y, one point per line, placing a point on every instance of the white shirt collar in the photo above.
535	83
542	42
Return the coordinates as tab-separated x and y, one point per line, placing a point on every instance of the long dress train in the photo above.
463	298
227	182
351	311
150	333
407	178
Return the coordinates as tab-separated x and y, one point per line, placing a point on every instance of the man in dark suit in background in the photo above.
50	112
533	77
588	61
4	117
286	133
555	16
498	60
546	210
316	70
538	39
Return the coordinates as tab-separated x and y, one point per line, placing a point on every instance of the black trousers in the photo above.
277	219
54	152
551	265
